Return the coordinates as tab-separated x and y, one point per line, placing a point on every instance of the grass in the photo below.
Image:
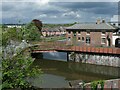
0	35
56	38
49	39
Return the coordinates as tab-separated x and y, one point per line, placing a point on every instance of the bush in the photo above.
28	32
17	71
94	84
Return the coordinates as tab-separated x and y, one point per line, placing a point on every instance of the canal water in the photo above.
58	72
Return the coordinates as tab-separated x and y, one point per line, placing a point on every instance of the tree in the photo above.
38	24
17	71
30	32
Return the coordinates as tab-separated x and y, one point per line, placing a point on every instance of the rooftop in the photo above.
92	26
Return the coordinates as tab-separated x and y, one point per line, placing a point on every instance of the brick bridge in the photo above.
63	47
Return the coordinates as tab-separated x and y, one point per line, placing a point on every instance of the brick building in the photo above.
56	31
91	34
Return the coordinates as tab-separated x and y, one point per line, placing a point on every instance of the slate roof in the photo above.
57	29
92	26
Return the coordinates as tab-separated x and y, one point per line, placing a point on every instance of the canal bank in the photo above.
107	84
94	85
58	72
97	59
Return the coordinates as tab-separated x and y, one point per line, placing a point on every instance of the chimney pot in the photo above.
103	21
98	21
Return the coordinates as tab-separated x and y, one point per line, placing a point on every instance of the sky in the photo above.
57	11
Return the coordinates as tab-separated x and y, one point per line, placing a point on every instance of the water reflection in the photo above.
50	81
62	56
66	71
58	73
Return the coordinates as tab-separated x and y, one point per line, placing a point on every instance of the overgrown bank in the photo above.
16	62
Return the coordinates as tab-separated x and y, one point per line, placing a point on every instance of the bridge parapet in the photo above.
92	49
62	46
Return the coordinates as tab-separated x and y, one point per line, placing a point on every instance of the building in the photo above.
91	34
116	36
14	25
56	31
115	20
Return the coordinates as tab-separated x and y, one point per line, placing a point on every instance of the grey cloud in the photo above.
94	7
26	11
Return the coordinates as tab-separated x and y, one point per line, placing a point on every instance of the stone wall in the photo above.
107	60
108	84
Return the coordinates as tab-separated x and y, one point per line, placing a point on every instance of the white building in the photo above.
116	36
14	25
115	20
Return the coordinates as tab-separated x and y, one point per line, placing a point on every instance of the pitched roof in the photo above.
57	29
92	26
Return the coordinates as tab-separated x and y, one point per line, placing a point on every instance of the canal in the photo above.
58	72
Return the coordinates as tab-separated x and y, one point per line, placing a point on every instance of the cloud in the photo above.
84	0
94	7
61	0
53	16
115	18
42	15
55	12
69	13
78	16
73	14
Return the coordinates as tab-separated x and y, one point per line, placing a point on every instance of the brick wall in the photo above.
95	38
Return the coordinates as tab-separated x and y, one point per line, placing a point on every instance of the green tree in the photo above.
17	71
30	32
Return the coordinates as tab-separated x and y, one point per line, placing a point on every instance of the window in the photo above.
78	38
103	40
69	38
118	31
82	38
88	40
114	24
69	32
74	34
103	33
88	32
79	32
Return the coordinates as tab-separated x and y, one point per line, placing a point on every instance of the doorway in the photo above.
109	42
117	42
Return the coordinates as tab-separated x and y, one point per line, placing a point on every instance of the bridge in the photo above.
63	47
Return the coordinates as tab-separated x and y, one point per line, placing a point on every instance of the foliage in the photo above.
101	82
28	32
94	84
55	38
31	33
38	24
3	26
0	35
72	56
57	25
11	34
16	72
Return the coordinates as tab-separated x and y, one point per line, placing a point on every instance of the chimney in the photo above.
98	21
103	21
